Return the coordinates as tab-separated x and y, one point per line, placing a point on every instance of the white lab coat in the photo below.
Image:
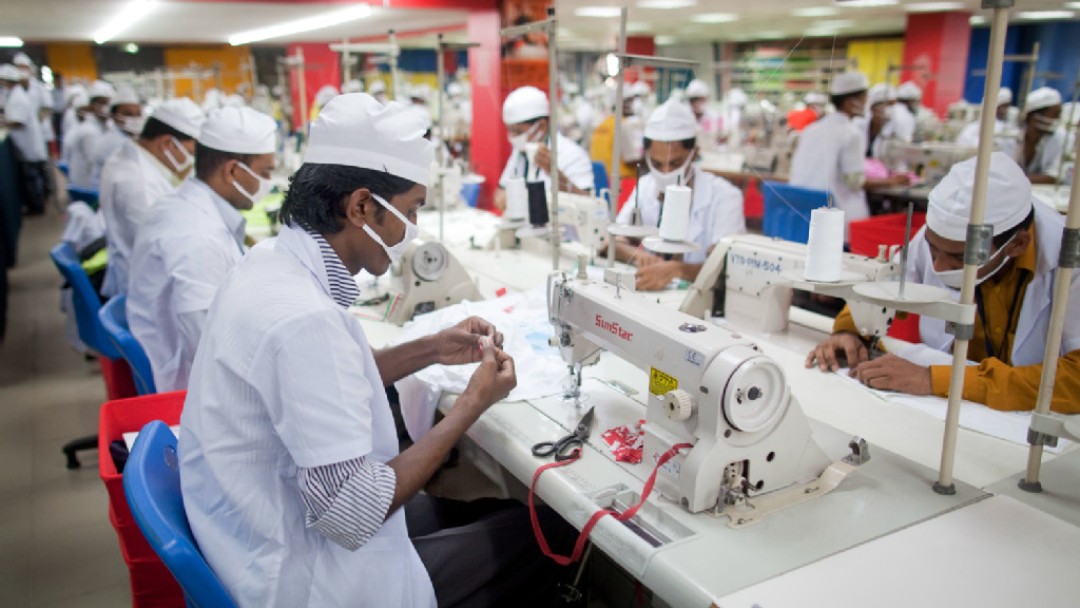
42	99
574	163
81	169
1005	138
900	125
105	146
131	181
285	378
716	210
828	150
186	246
1048	153
28	139
1034	318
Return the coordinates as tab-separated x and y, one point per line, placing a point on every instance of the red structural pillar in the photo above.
936	45
639	45
489	147
321	67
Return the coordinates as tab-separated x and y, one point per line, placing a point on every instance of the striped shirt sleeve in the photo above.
347	501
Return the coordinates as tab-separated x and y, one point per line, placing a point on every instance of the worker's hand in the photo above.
460	344
900	179
543	158
892	373
500	199
657	276
824	355
493	380
644	259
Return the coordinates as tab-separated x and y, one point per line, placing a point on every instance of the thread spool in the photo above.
825	248
675	221
517	199
538	203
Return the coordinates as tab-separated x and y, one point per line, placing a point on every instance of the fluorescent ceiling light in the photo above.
128	15
306	24
815	11
666	4
832	24
770	35
10	42
665	40
866	3
598	11
1075	5
977	20
1040	15
715	18
933	7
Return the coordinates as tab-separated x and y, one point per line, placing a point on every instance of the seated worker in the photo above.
709	122
141	172
289	462
125	122
716	207
1004	134
602	145
191	239
85	137
1044	139
1013	299
525	113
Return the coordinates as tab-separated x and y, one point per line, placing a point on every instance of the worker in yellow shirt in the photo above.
602	145
1013	298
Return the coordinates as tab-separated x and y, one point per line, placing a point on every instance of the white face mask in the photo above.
518	141
671	178
260	192
132	125
638	106
955	278
1046	125
186	159
411	232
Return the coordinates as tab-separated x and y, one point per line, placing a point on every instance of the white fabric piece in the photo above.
523	321
525	103
1042	98
716	210
181	114
239	131
1008	198
28	139
284	378
846	83
829	150
21	59
358	131
353	86
574	163
672	121
186	245
908	91
104	147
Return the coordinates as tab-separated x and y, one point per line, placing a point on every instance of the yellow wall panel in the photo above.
875	56
75	61
235	64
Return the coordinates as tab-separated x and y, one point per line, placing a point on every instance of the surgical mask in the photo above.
638	106
394	252
1047	125
518	141
186	159
260	192
955	278
671	178
132	125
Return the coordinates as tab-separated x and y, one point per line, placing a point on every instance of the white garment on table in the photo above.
106	146
284	378
1048	153
574	163
81	163
716	210
186	246
28	138
131	181
828	150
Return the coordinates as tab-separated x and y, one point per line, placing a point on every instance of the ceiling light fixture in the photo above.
666	4
1045	15
867	3
977	20
1075	5
715	18
815	11
10	42
933	7
306	24
665	40
832	24
598	11
132	12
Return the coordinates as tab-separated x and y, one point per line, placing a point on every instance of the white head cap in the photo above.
239	131
377	87
672	121
358	131
846	83
640	89
908	91
454	89
1042	98
100	88
79	100
816	98
125	96
1008	198
353	86
1004	96
736	97
879	93
71	91
181	114
697	88
22	60
325	94
525	103
10	73
421	92
890	93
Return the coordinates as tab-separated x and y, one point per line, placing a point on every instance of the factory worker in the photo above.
22	121
734	103
1044	139
901	123
353	86
926	122
420	95
1004	137
85	139
39	94
142	171
877	100
525	113
378	91
75	102
322	97
289	462
631	143
191	239
830	153
1013	299
710	124
125	122
716	208
813	109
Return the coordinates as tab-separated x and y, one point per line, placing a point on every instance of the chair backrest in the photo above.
86	195
600	178
787	210
113	318
152	488
86	300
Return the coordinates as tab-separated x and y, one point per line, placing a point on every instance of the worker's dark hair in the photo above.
207	160
686	143
1004	237
154	129
317	194
838	100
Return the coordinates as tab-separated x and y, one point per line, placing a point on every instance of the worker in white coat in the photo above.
716	208
1005	136
191	239
925	122
87	135
1013	298
289	463
525	112
125	121
902	122
710	125
830	154
21	120
140	173
1044	139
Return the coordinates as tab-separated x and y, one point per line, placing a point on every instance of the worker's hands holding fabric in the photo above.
643	259
848	344
493	379
892	373
656	276
460	344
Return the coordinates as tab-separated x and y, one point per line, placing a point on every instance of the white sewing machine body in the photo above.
709	388
428	277
931	161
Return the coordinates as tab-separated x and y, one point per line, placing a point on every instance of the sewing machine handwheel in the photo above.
430	261
757	396
678	405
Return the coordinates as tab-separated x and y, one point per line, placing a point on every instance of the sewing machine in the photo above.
582	220
930	161
427	278
752	451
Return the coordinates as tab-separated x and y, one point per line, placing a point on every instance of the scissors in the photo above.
567	447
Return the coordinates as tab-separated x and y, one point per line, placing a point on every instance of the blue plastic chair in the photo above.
114	319
86	195
63	167
787	210
600	178
152	487
87	302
